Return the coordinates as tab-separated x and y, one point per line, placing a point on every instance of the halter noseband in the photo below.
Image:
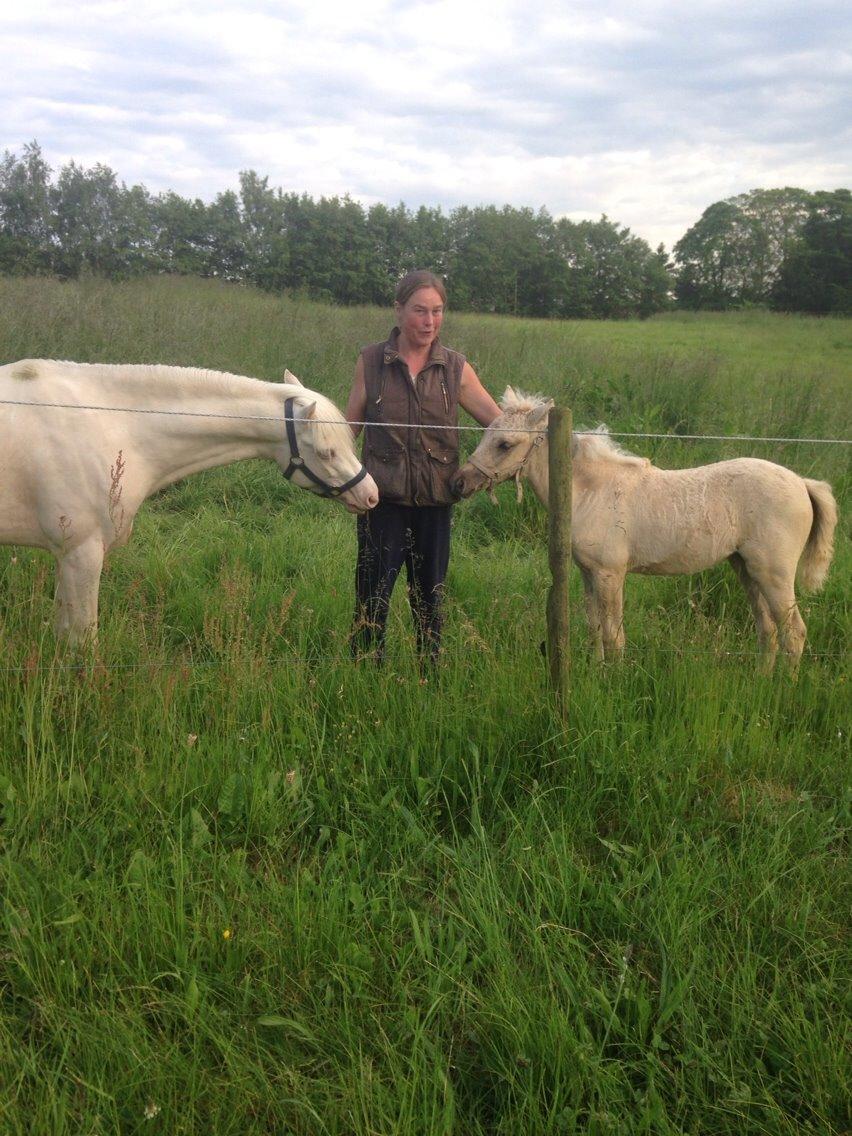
492	477
297	462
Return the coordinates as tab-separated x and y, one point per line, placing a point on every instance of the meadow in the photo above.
249	887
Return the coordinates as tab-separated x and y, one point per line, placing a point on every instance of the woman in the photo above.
408	389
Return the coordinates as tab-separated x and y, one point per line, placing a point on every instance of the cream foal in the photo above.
629	516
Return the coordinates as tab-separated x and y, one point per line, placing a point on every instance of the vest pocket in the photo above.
443	464
387	464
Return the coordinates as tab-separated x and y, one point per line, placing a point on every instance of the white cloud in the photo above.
645	112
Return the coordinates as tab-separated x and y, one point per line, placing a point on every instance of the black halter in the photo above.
297	462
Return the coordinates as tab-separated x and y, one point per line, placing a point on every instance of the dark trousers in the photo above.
388	537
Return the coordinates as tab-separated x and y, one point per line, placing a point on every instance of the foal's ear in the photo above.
509	397
289	377
539	416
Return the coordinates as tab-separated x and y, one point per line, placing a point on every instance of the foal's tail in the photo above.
816	558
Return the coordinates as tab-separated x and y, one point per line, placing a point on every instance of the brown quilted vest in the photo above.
412	467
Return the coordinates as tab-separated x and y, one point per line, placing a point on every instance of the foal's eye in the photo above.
505	446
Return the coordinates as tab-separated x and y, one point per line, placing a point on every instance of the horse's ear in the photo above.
289	377
310	411
539	416
509	397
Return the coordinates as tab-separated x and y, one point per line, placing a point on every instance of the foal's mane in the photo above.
517	402
599	446
594	446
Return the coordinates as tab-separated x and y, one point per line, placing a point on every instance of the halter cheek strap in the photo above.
297	462
494	478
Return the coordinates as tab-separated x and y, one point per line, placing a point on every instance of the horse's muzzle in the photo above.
467	481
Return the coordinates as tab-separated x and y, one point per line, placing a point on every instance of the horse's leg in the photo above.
778	591
609	594
767	635
78	581
593	617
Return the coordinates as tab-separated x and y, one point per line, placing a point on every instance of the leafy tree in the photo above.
710	256
733	254
341	272
388	233
656	283
267	249
778	215
609	272
98	224
180	235
226	245
816	275
26	244
429	237
500	261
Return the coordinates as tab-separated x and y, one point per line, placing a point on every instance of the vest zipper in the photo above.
446	399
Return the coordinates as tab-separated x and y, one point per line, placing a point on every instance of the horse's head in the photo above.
506	445
319	450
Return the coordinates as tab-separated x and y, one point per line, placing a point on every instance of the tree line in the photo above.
785	248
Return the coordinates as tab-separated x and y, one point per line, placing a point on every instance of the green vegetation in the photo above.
505	260
785	248
249	887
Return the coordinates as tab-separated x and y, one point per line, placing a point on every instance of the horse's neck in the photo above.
537	472
212	428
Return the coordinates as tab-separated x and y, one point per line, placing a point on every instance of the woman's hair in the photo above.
413	281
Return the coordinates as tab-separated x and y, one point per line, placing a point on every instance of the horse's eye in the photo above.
505	445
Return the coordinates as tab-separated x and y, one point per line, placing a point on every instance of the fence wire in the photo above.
636	652
420	426
281	660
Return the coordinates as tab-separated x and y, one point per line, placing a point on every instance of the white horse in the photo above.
82	445
628	516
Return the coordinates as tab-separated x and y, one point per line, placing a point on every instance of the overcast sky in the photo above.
647	112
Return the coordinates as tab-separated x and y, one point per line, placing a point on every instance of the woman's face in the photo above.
420	317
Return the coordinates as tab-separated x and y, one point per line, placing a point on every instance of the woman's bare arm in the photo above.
475	399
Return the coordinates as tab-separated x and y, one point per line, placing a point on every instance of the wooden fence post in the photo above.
559	554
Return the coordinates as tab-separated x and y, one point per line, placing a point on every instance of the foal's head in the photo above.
507	444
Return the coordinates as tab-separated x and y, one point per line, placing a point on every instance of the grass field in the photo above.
250	888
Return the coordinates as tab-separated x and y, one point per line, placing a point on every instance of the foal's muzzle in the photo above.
468	480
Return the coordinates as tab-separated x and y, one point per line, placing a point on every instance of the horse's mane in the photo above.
205	382
331	428
214	382
597	445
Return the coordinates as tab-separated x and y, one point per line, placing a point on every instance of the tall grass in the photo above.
252	888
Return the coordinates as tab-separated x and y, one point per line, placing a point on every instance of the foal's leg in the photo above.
791	627
777	588
767	636
78	581
609	596
593	617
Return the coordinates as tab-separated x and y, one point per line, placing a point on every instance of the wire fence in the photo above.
299	660
418	426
